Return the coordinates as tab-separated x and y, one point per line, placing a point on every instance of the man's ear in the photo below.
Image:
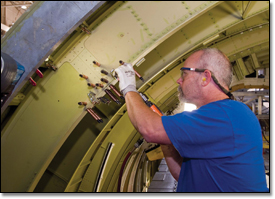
206	78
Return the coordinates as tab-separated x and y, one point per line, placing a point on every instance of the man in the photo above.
216	148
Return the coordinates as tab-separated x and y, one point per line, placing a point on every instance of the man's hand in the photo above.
127	79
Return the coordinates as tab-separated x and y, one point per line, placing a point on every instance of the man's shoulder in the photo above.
234	109
227	107
227	103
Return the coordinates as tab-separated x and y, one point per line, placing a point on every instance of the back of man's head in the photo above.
216	61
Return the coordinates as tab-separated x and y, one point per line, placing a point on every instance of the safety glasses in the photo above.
200	70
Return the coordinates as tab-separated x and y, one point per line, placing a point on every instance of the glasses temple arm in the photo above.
217	82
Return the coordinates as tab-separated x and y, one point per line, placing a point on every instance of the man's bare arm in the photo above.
147	122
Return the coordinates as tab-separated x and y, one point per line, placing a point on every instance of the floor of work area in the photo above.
163	181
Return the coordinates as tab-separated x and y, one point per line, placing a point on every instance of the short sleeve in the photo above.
203	133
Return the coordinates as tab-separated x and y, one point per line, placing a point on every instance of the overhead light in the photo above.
211	39
140	62
24	7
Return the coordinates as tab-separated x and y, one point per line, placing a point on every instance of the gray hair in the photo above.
217	62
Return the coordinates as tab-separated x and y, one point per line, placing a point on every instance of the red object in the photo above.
156	110
39	73
99	85
32	81
116	91
122	169
90	84
95	116
104	72
82	103
112	96
137	74
96	63
104	80
85	30
83	76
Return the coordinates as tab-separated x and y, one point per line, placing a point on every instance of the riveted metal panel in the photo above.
39	31
256	7
167	82
44	138
255	21
178	36
120	135
244	42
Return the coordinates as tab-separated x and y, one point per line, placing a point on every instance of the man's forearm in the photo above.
141	117
147	122
150	126
173	160
137	110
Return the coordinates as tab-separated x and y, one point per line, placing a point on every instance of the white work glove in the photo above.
127	78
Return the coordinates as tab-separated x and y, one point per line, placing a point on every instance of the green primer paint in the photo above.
166	21
172	78
141	35
108	57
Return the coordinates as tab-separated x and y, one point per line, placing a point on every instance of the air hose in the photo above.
137	144
153	107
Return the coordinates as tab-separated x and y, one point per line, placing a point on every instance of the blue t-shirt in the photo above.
221	144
